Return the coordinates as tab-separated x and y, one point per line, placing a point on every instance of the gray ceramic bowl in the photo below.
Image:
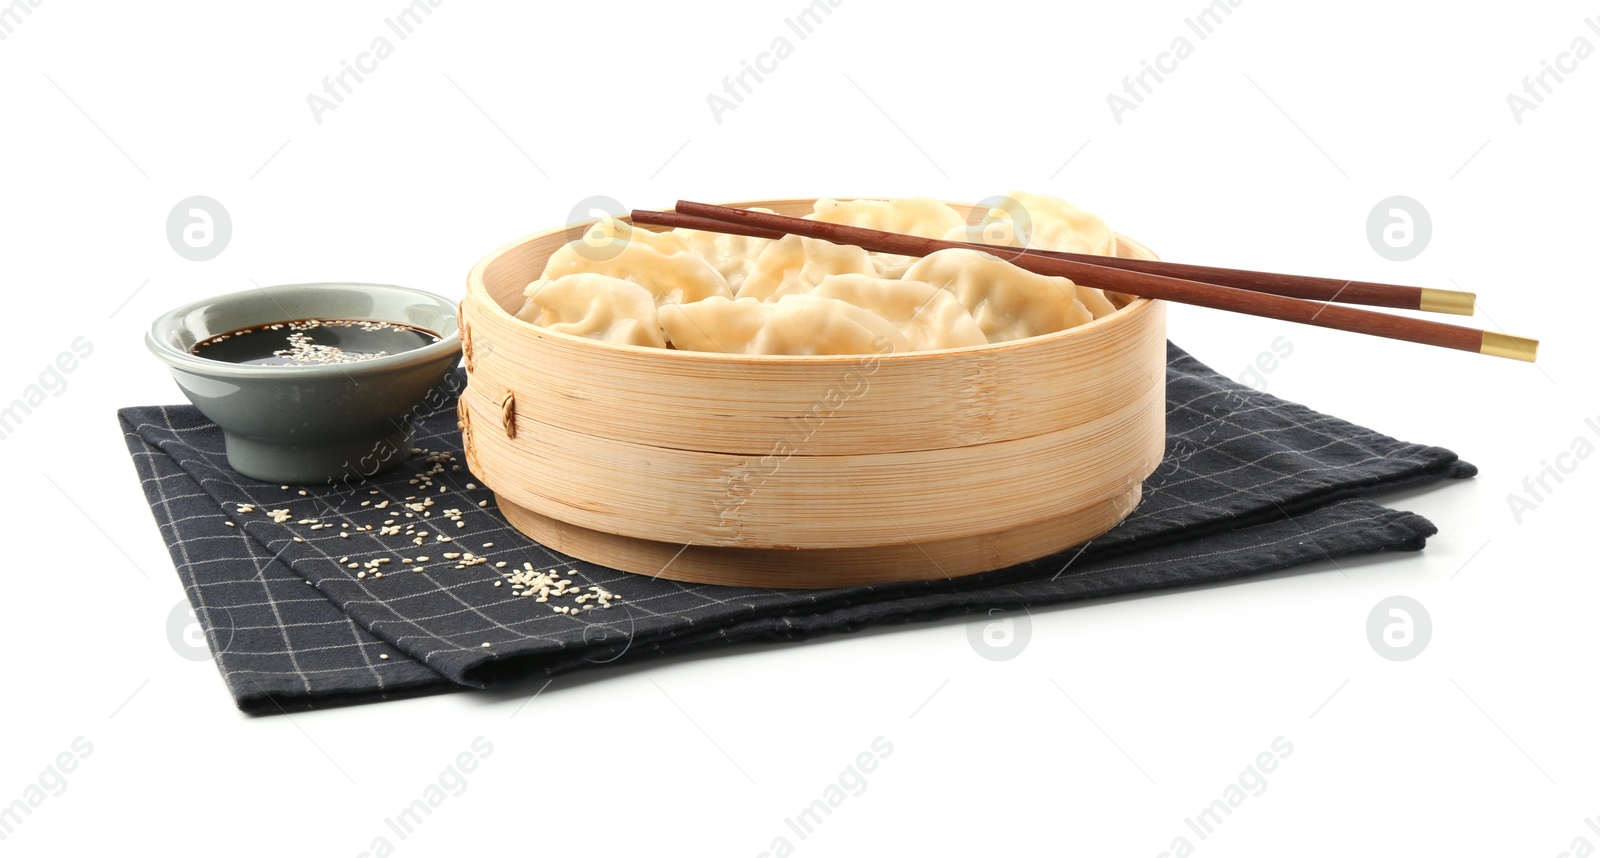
313	424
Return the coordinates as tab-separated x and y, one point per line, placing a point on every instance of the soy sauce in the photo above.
314	342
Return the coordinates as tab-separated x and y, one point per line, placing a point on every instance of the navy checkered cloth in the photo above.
1250	484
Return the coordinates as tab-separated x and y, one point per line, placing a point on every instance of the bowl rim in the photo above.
157	340
477	288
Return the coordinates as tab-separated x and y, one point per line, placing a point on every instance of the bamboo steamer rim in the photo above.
478	289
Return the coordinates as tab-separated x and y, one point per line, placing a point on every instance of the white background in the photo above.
1266	148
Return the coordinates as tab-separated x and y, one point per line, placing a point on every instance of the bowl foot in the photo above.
317	463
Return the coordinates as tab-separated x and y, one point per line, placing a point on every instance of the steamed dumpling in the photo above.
793	325
734	256
1008	302
594	306
659	261
1047	223
792	265
996	228
921	216
1052	224
1095	301
929	317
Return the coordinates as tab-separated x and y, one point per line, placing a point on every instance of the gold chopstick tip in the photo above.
1508	346
1448	301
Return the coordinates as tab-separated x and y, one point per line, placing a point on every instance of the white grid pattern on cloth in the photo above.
262	660
1258	460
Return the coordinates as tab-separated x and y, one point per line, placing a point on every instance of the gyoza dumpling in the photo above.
734	256
995	228
1046	223
594	306
794	325
1052	224
792	265
929	317
659	261
1007	302
922	216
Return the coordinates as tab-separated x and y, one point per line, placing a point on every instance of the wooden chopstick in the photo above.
1131	282
1289	285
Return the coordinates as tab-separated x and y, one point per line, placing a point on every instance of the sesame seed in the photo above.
384	656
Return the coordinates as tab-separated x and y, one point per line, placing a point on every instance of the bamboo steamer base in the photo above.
647	460
818	568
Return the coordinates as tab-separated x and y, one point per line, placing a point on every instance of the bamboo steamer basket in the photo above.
825	471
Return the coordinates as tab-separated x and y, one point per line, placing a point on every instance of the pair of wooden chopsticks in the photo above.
1288	297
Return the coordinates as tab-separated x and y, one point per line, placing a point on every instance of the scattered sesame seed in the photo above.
384	656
